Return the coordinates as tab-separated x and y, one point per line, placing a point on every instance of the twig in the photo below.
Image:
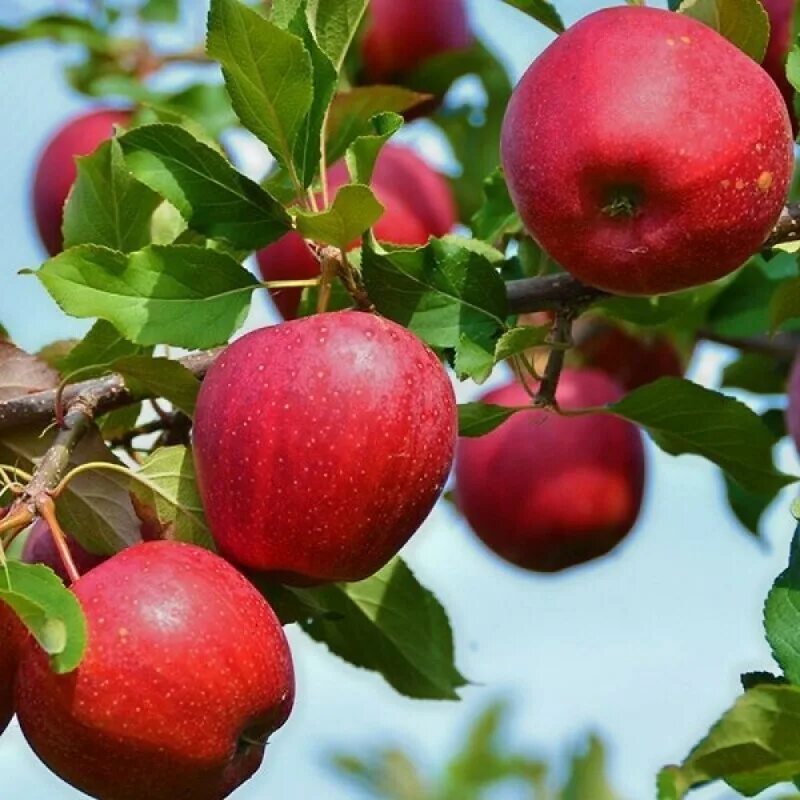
550	293
787	228
560	336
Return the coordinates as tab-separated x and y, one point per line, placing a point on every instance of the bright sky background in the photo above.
645	646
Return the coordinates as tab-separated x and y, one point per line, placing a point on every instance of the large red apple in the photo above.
646	153
631	361
322	444
418	204
11	638
186	673
401	34
547	492
56	171
781	22
40	548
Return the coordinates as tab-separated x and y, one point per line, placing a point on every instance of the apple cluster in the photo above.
322	443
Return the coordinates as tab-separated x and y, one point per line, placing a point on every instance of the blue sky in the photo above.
645	646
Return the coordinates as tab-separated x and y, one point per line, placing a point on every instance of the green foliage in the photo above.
178	295
354	210
160	377
782	615
448	293
478	419
497	215
50	611
363	151
107	206
210	194
683	417
542	11
743	22
388	623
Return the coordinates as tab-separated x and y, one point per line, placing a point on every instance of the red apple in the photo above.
632	361
322	444
401	34
418	204
11	638
186	673
40	549
548	492
781	22
645	152
56	171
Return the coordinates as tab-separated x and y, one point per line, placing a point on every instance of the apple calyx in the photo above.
624	201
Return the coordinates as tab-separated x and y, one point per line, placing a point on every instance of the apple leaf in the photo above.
391	624
365	149
541	11
353	211
95	508
210	194
785	304
447	292
748	507
167	483
184	296
742	22
334	24
161	11
268	72
106	205
682	417
497	215
518	340
163	377
587	779
96	353
743	307
478	419
308	148
351	113
21	373
208	104
49	610
753	746
59	28
757	373
782	615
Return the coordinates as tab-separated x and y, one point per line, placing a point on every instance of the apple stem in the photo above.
13	523
560	340
624	201
47	509
353	283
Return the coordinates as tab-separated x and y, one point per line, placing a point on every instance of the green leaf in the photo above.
167	483
59	28
754	745
210	194
179	295
587	778
95	508
477	419
207	104
95	354
748	507
354	210
268	73
364	150
351	113
757	373
743	22
284	11
541	11
743	307
334	24
782	616
448	293
518	340
161	11
163	377
793	67
497	215
49	610
785	304
682	417
390	624
106	205
308	148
